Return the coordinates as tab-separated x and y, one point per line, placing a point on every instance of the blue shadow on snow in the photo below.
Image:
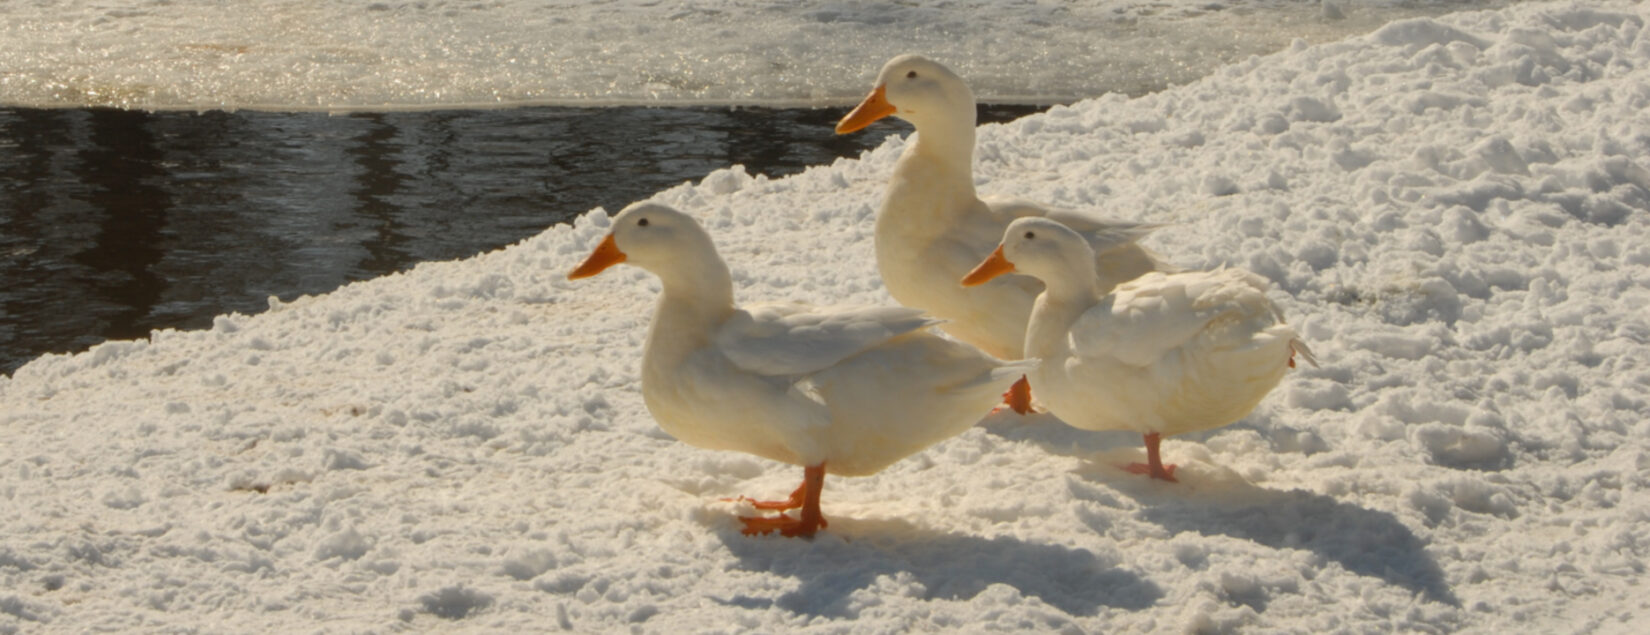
853	553
1363	541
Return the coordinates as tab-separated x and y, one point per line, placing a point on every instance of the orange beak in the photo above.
994	265
874	107
606	255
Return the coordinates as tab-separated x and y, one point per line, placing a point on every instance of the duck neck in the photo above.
948	142
1056	309
933	183
697	299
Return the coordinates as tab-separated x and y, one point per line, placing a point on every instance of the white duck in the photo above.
932	227
1162	355
844	390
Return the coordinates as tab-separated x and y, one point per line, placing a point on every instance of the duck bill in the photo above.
606	255
874	107
994	265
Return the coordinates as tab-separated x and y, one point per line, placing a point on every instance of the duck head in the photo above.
661	240
918	90
1040	248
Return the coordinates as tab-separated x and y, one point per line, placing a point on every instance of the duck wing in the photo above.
1153	316
1118	254
789	339
1103	233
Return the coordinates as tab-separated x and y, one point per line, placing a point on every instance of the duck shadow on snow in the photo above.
1211	500
854	553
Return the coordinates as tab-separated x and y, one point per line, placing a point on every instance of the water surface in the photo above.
114	223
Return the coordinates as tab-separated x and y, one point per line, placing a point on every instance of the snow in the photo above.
342	55
1454	212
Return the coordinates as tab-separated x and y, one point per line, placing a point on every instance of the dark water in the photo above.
114	223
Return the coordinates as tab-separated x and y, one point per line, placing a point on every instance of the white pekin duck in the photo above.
844	390
933	227
1162	355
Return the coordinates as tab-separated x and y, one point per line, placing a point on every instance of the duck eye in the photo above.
641	223
911	75
1031	235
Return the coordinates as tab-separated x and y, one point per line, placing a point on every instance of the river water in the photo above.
114	223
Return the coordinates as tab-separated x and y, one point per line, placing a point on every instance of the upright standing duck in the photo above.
847	391
933	227
1162	354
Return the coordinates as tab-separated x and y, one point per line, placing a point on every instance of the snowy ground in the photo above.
1456	213
353	55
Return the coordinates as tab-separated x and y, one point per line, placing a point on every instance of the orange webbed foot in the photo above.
806	497
793	502
785	525
1166	474
1153	466
1018	398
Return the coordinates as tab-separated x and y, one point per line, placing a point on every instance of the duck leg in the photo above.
1153	467
1018	397
810	521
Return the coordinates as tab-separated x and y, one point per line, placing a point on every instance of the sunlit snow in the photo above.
1455	212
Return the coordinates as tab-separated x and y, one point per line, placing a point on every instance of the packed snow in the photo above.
342	55
1454	212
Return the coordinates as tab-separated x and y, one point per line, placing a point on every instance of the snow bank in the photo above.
1455	214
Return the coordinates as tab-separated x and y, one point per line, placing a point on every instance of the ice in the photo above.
342	55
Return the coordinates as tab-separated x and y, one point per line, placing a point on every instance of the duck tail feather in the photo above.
1298	347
